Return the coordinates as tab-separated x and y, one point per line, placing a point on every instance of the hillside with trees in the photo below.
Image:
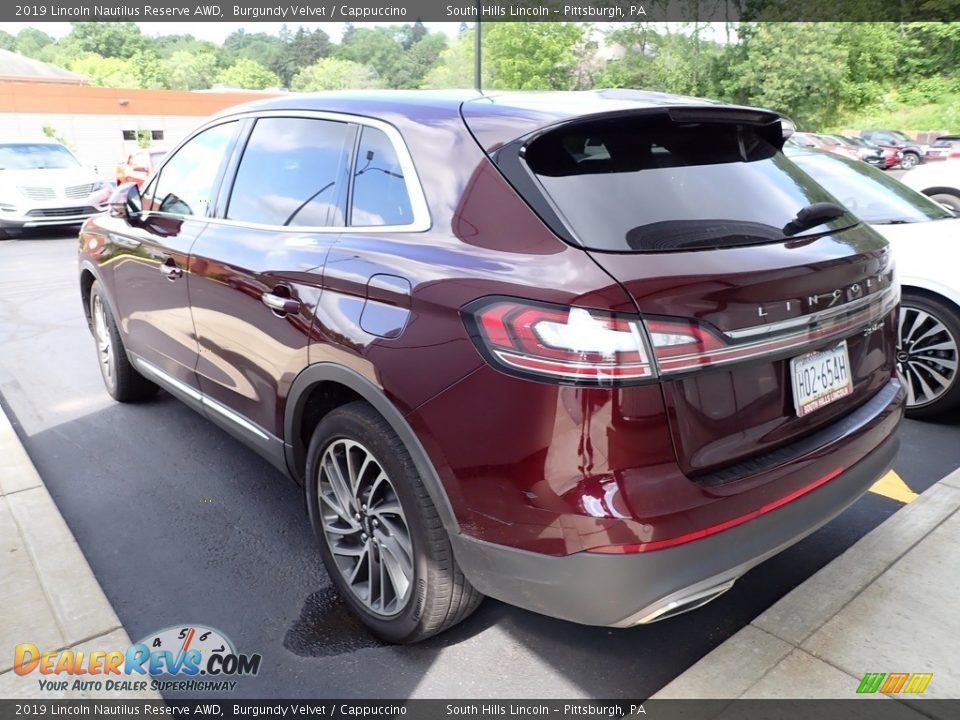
824	75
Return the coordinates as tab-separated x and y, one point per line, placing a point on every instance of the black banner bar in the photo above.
382	11
505	709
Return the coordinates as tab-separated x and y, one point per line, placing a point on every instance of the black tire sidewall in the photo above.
948	199
359	422
116	344
942	312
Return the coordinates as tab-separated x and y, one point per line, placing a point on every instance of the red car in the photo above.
594	354
139	166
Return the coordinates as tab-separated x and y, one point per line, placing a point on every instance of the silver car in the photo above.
42	184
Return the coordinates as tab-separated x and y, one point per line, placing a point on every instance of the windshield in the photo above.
35	156
871	195
647	184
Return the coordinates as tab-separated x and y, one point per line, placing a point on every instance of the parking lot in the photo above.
181	523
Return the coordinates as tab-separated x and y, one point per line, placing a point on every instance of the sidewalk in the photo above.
48	594
887	605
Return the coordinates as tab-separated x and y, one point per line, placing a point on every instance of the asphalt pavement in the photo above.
182	524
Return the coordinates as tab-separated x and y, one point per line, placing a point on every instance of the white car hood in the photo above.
51	177
927	254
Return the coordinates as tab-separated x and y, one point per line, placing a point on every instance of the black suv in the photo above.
910	150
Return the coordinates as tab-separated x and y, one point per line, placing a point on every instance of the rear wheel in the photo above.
927	355
381	539
909	160
951	201
121	379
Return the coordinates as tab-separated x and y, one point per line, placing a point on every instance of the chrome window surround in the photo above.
418	202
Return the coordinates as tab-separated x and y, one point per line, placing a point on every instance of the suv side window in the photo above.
379	190
185	183
293	173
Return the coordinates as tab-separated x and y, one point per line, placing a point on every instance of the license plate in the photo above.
820	378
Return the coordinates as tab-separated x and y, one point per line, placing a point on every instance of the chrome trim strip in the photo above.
418	202
165	379
813	318
235	418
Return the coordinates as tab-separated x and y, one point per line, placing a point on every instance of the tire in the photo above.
121	379
951	201
928	352
909	160
387	529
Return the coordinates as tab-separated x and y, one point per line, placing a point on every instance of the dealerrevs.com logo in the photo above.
184	658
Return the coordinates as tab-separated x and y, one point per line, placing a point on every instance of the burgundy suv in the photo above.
593	354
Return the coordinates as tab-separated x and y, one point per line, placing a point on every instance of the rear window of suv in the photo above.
653	185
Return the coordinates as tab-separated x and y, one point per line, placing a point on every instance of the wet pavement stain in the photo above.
326	627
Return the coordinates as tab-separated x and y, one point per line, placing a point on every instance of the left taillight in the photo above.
569	344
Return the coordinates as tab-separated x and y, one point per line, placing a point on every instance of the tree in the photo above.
454	67
377	47
413	66
31	42
248	74
109	39
335	74
533	55
7	41
796	68
190	71
106	72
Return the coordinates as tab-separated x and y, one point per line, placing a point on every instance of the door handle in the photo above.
281	305
170	270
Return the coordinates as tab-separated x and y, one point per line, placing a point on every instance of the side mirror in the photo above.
125	202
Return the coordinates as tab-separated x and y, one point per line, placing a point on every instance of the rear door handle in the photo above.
170	270
279	304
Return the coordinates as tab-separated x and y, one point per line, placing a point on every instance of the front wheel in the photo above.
927	355
380	536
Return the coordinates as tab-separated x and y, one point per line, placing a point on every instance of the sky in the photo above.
217	32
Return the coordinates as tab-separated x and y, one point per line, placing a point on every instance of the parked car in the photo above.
945	147
841	146
870	154
890	157
923	236
939	182
593	354
807	140
139	166
911	152
42	184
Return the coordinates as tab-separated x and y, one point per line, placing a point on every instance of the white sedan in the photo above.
925	238
939	181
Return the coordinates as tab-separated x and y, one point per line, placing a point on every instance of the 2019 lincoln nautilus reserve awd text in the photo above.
594	354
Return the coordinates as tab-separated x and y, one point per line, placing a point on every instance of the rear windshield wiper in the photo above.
813	215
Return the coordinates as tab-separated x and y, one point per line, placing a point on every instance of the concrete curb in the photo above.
48	593
793	650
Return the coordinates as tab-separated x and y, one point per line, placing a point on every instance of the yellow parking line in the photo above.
892	486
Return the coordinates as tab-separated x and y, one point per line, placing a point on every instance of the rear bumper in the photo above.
625	590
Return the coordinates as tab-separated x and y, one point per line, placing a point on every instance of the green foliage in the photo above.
51	132
248	74
108	39
144	139
31	42
795	68
378	47
106	71
7	41
454	67
189	71
532	55
335	74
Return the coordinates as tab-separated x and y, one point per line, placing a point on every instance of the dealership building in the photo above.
101	125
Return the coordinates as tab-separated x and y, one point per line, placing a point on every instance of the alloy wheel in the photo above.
101	333
365	528
926	356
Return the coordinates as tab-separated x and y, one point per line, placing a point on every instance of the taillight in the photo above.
570	344
595	347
